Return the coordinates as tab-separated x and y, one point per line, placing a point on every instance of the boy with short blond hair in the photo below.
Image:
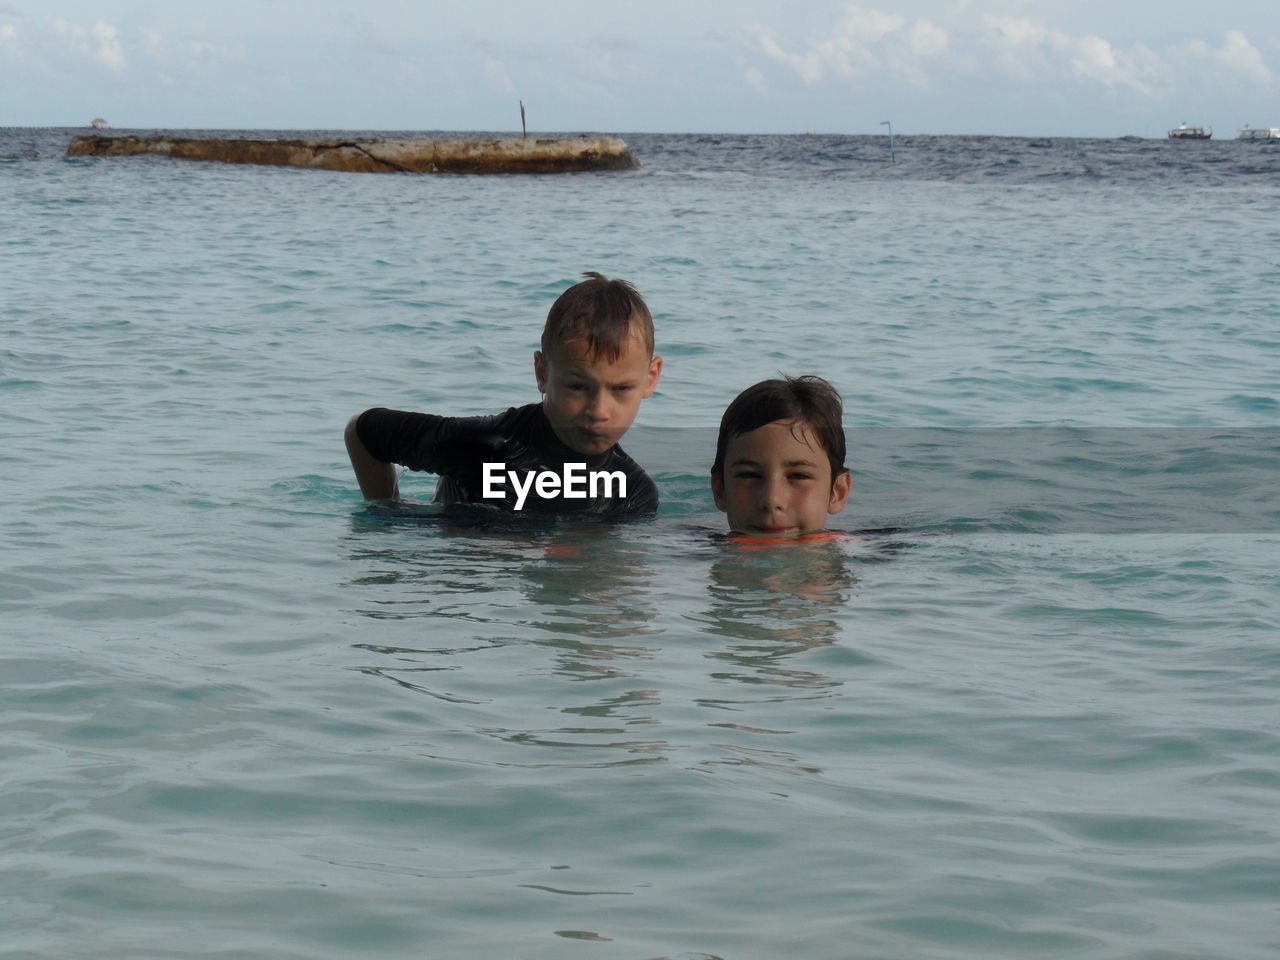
595	365
779	467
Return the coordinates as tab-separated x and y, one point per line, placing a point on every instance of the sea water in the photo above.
1033	714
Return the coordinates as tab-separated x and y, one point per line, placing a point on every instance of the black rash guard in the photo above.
521	440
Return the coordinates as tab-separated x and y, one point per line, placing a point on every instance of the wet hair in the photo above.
809	401
601	313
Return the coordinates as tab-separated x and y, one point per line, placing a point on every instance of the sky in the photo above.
1006	67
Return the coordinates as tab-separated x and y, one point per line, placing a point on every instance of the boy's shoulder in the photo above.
384	419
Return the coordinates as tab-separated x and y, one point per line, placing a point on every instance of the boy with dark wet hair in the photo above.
779	467
595	365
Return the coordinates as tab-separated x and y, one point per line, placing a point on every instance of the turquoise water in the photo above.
246	717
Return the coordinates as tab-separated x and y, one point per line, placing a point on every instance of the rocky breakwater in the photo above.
379	156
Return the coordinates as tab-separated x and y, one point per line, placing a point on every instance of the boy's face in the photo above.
777	482
590	401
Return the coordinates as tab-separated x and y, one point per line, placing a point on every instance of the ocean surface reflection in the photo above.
506	624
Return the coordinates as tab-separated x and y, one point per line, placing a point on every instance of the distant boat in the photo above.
1258	133
1183	132
99	124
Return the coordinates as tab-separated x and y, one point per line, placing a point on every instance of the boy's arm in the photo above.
451	446
377	479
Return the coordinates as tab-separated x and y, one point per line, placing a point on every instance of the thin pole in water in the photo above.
892	152
523	130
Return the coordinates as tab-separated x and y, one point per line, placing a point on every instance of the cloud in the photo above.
1236	57
108	51
862	43
57	46
603	62
591	69
367	35
1023	49
926	40
99	44
864	46
497	75
205	51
